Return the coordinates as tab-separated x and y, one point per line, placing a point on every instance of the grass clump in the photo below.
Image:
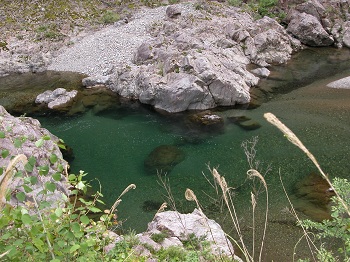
109	17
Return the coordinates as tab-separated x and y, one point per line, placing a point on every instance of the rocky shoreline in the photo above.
188	56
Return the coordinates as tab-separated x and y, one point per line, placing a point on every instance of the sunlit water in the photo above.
111	146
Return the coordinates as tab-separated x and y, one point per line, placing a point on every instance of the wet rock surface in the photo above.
312	196
205	121
244	122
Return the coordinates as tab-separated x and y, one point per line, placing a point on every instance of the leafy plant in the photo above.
37	229
338	228
159	238
109	17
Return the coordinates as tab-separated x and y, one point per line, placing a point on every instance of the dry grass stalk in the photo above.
295	140
117	202
190	196
254	173
252	196
162	207
8	175
232	211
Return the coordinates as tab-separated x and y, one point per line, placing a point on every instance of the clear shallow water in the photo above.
111	145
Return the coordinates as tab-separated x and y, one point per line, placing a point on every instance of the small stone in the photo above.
173	11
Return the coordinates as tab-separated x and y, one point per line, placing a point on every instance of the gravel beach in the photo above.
97	53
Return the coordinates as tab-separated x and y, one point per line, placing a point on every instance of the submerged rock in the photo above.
163	159
313	197
206	121
244	122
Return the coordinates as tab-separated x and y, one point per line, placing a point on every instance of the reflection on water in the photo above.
111	144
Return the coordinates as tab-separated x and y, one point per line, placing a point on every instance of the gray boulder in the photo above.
179	226
93	81
343	83
312	7
346	33
309	30
58	98
28	131
270	43
173	11
262	72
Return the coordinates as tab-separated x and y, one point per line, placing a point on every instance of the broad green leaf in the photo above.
91	242
17	143
60	168
80	185
46	137
38	243
28	167
57	176
72	177
5	153
6	236
39	143
27	189
18	242
94	209
26	219
20	174
74	248
2	134
61	243
100	201
1	170
59	212
75	227
53	158
85	220
32	160
44	170
62	146
44	204
30	164
50	186
21	196
33	180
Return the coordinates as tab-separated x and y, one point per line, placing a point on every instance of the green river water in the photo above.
111	142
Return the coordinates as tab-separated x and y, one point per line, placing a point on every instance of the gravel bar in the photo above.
96	54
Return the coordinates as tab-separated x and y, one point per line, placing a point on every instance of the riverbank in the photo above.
193	57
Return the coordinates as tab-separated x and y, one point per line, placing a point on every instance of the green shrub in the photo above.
336	230
109	17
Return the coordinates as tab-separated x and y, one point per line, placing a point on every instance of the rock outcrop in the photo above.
197	62
176	229
309	30
57	98
19	137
